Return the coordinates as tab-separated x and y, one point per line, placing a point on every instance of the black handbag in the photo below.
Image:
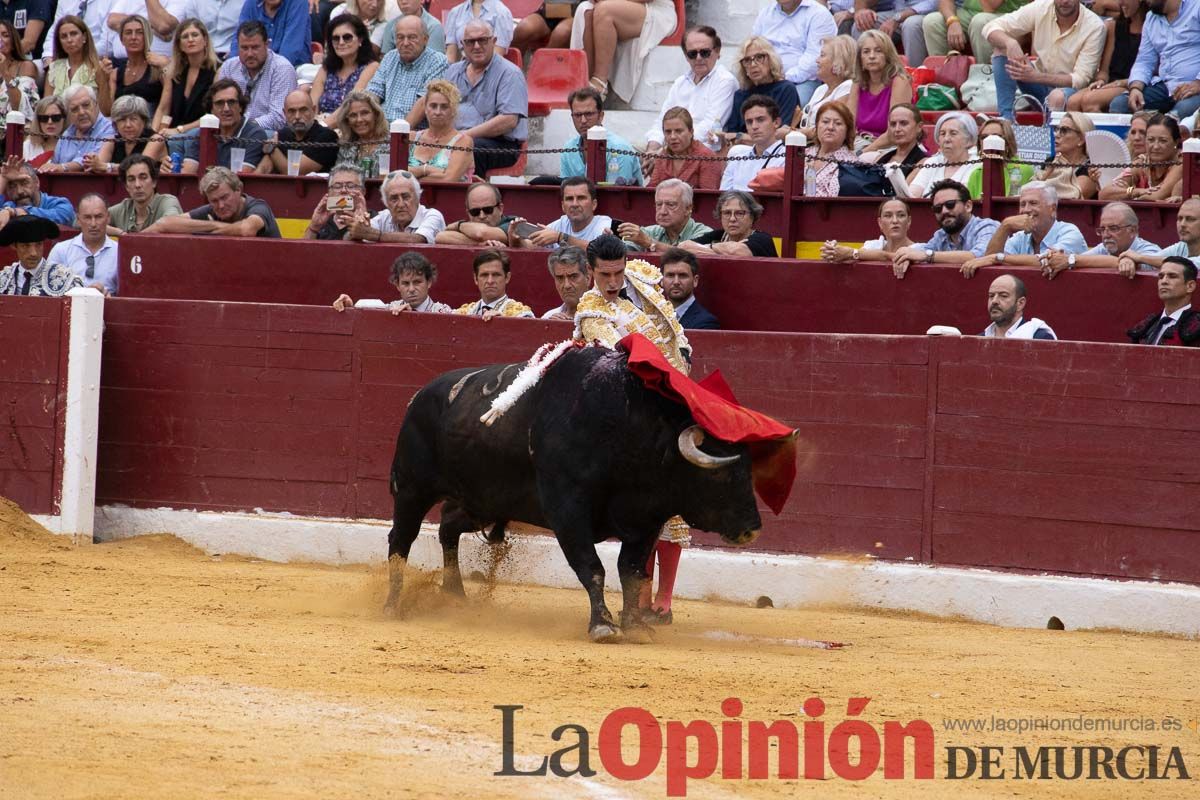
863	180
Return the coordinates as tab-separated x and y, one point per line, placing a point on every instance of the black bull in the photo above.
588	452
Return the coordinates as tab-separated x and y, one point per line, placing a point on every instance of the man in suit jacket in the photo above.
1177	323
681	276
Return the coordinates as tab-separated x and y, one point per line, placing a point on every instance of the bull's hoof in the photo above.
605	634
639	633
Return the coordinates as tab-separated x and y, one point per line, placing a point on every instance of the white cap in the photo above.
399	126
210	121
597	133
14	118
993	144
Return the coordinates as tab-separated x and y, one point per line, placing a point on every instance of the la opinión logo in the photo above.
695	749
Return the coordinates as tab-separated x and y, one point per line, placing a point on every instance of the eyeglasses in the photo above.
224	103
343	38
582	115
91	267
1063	130
694	54
482	211
735	213
480	42
1103	229
349	186
44	118
949	205
757	58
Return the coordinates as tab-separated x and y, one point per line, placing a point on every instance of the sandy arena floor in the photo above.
146	668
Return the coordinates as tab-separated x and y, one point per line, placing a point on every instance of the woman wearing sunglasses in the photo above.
760	71
1070	171
48	122
705	90
349	66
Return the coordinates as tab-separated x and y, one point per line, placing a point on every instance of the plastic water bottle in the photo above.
1014	180
810	179
176	162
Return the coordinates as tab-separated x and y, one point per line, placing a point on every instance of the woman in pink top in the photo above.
880	82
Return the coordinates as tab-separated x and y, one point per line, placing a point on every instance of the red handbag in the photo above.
954	70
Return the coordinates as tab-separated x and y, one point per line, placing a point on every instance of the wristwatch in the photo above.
1000	257
1070	261
929	255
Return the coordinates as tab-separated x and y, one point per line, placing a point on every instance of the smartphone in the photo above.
339	202
527	229
616	226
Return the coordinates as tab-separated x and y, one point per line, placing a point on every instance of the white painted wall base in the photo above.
997	598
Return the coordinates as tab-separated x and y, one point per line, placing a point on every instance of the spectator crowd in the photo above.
121	87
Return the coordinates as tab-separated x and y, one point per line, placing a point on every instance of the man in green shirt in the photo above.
958	23
145	205
673	213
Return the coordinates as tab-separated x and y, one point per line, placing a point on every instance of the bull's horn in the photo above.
689	448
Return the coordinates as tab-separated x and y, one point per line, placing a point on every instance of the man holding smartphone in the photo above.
578	225
336	211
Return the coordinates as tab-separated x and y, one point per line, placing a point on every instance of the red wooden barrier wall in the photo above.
967	451
763	294
33	336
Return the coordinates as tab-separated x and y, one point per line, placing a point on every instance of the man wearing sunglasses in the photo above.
228	103
266	77
960	237
486	222
706	90
91	255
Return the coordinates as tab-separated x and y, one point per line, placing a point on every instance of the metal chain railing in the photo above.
661	154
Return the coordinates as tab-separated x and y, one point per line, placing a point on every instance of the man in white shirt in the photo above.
1006	307
164	17
761	115
579	223
404	219
706	91
796	28
91	255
